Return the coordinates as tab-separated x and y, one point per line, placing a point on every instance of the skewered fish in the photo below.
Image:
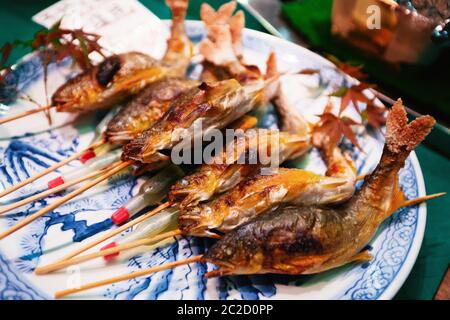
260	193
313	239
215	105
146	108
232	165
123	75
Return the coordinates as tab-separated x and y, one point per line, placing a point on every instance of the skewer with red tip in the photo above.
152	192
115	169
50	169
93	164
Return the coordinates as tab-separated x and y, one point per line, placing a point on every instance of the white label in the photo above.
125	25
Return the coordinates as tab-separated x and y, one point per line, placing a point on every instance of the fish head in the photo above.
197	220
108	83
235	254
146	108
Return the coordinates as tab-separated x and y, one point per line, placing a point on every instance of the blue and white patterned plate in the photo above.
394	248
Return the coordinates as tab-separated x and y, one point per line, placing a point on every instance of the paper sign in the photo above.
125	25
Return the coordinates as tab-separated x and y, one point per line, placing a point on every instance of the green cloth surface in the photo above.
15	23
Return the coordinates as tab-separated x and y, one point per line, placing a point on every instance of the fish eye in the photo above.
107	70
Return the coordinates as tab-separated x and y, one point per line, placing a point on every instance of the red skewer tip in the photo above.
89	154
111	256
120	216
55	182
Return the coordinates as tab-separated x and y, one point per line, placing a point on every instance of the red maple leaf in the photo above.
353	94
330	129
68	43
375	115
355	71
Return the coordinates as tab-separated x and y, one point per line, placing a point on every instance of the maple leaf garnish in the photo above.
330	129
375	115
353	94
355	71
76	43
54	45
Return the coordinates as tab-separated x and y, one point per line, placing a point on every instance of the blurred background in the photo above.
402	46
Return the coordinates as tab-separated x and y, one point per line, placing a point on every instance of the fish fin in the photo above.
244	123
398	199
400	135
332	182
272	66
179	10
363	256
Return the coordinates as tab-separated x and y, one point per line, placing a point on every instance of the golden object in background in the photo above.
385	29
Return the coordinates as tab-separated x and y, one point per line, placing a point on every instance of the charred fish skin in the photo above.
120	76
146	108
337	235
160	134
98	88
291	240
214	105
225	172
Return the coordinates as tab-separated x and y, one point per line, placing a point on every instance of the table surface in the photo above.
434	257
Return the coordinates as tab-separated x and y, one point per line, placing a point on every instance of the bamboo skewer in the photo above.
419	200
115	168
114	232
63	293
50	169
51	191
362	177
126	246
24	114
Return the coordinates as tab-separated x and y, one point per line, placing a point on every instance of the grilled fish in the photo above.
232	166
146	108
120	76
214	106
311	239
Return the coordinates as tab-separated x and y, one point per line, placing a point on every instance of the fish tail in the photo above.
402	137
178	41
179	10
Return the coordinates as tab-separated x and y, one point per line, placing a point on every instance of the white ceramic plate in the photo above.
394	248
